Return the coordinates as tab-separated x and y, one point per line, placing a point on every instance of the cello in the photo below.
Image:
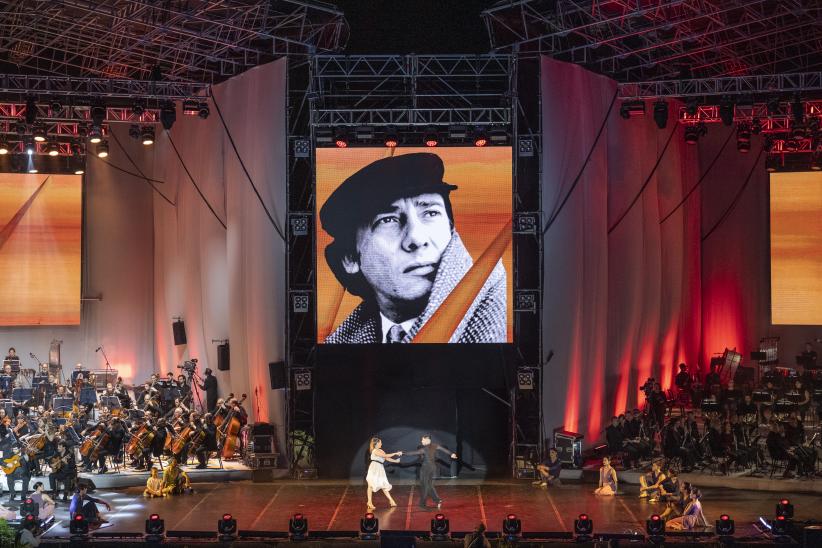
231	432
222	411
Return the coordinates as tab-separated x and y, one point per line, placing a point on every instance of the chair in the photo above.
776	461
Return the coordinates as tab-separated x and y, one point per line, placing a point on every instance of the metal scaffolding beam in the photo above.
767	84
21	85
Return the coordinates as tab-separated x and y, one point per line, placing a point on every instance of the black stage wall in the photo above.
399	392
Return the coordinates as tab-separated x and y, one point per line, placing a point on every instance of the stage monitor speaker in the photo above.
179	330
812	536
276	371
223	357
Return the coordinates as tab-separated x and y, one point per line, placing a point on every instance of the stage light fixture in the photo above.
78	528
661	114
583	528
98	114
773	105
780	526
694	132
155	528
725	526
655	528
798	131
138	108
511	527
756	126
630	109
29	507
298	527
341	138
31	111
691	106
102	149
39	134
392	139
784	508
364	134
168	115
431	139
55	107
498	136
30	147
147	135
798	111
743	138
480	137
54	148
771	163
227	528
202	110
191	107
369	527
95	135
4	146
440	527
791	145
134	131
726	111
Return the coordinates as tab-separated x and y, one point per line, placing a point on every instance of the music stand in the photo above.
76	373
88	395
21	395
62	405
112	402
8	405
5	382
15	365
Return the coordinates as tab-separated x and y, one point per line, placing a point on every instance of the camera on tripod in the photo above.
648	387
189	366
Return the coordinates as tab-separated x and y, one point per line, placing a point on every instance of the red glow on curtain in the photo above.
571	421
723	323
669	344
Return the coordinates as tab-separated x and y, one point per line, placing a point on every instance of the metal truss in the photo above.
411	90
20	86
183	40
763	85
631	40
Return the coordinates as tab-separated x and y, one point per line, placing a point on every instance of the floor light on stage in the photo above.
298	527
780	527
440	527
28	506
511	527
369	527
78	528
655	529
583	528
155	528
784	508
725	527
227	528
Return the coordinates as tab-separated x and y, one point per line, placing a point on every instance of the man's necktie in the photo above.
395	335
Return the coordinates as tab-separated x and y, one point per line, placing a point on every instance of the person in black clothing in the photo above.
779	448
23	474
67	474
183	387
691	426
713	378
427	452
84	504
549	470
683	379
209	443
209	386
615	437
115	441
809	357
161	432
658	402
672	444
477	539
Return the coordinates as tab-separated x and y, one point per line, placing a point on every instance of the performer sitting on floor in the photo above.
692	516
85	505
175	481
44	501
549	470
154	485
607	479
651	482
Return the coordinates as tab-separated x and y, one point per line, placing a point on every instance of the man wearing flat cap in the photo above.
395	245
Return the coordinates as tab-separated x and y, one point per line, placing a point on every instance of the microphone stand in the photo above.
108	365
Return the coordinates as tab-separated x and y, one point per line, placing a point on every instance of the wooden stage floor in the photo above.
338	506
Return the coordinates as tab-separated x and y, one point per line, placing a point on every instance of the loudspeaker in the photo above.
179	330
223	361
276	371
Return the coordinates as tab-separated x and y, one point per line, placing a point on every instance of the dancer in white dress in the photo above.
376	478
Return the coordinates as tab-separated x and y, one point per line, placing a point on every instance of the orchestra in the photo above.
55	427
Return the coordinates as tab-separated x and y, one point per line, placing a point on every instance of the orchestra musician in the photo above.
209	442
63	470
22	473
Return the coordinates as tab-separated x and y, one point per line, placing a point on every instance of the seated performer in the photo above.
692	517
64	470
45	502
175	481
549	470
651	483
607	479
84	504
209	442
154	485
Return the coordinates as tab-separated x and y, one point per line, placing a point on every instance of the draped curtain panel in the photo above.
621	296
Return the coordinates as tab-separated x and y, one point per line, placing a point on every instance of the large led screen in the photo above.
796	248
40	249
414	245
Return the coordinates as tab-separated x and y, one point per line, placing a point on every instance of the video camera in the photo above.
189	366
648	387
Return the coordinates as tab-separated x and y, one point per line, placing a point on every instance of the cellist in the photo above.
209	442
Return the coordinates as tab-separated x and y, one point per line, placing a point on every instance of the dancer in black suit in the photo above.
428	458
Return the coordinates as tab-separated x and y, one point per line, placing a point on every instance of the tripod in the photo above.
194	387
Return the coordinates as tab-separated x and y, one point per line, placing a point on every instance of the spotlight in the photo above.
784	508
791	145
341	138
30	147
431	139
480	138
55	107
655	528
95	135
391	138
155	528
31	111
743	138
168	115
629	109
33	169
780	526
134	131
798	111
798	131
298	527
773	106
498	136
694	132
369	527
4	146
726	111
39	134
583	528
440	527
78	528
511	527
202	110
78	167
190	107
29	507
227	528
54	148
661	114
147	135
771	163
138	108
725	526
102	149
691	106
98	115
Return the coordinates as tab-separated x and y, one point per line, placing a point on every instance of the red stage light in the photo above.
480	142
512	516
78	517
785	501
341	143
298	516
431	141
724	517
439	517
391	142
583	516
369	515
655	517
154	517
780	518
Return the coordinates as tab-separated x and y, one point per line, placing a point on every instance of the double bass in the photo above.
231	432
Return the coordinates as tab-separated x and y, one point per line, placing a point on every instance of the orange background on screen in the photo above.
40	260
796	248
481	204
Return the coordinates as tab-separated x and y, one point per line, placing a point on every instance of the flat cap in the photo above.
378	184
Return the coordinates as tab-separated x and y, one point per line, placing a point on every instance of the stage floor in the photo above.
338	506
